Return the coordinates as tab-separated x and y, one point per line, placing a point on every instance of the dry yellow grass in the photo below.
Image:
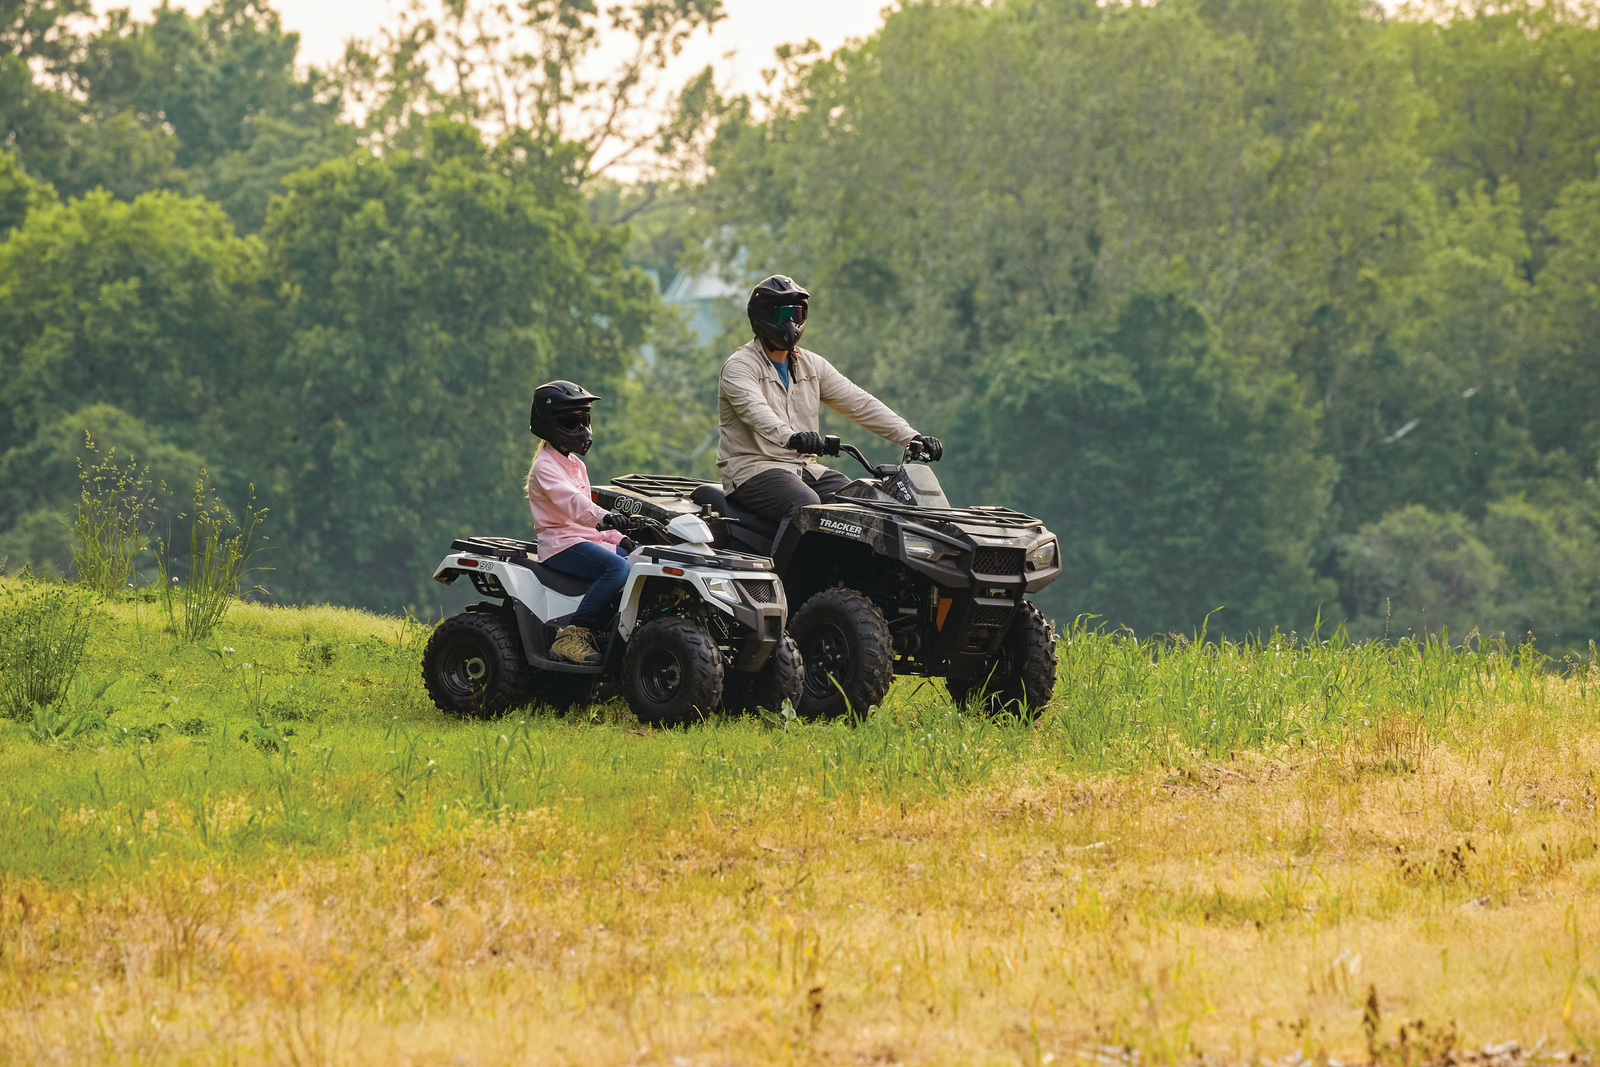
1236	909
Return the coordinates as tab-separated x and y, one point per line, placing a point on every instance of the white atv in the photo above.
699	629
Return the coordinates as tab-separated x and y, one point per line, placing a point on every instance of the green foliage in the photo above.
1178	481
428	296
153	306
1419	573
1521	570
41	492
1563	379
112	524
219	559
1516	87
44	631
19	193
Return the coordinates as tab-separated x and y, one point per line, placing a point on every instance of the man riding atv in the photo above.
769	401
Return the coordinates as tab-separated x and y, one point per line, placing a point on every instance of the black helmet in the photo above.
777	311
560	415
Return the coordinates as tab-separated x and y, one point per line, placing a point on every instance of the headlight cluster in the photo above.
928	549
1042	555
723	589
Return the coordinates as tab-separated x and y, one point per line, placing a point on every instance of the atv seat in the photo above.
748	521
556	581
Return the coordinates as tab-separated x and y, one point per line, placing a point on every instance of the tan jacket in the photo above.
758	415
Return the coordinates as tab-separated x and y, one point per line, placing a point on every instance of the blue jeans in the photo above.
608	568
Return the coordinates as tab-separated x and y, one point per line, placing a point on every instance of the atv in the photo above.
890	579
698	629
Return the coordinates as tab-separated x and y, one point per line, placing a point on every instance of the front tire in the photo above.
672	673
1022	677
782	678
848	653
473	665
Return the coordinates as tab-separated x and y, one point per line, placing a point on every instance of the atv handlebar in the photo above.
832	446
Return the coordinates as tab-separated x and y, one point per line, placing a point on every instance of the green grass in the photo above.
314	723
269	847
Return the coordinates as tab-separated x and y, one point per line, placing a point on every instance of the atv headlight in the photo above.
723	589
926	548
1042	555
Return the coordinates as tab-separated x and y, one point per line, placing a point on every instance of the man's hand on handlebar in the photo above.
623	524
924	446
806	442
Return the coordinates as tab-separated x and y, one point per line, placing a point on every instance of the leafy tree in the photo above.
154	306
1178	479
1551	584
20	193
428	295
1418	572
1516	88
39	481
1563	379
1523	570
224	83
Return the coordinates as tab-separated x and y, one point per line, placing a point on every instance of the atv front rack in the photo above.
972	516
660	484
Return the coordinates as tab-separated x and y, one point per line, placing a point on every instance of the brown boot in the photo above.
575	645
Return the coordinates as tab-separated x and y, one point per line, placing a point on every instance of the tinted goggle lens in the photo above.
575	420
795	313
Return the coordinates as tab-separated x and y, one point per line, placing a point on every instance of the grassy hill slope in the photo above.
271	848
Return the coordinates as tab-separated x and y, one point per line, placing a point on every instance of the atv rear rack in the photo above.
505	548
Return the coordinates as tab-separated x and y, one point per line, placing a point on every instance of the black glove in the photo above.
627	544
621	523
806	442
931	447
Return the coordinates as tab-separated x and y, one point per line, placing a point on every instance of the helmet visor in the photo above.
787	313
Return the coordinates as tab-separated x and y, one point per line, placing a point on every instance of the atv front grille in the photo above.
758	591
1005	561
989	615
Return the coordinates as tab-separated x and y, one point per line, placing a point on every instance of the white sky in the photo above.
752	29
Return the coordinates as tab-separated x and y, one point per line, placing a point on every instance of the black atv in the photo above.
890	579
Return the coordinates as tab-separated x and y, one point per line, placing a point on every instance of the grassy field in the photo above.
270	848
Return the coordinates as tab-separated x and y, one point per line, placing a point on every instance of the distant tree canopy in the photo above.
1277	307
1389	223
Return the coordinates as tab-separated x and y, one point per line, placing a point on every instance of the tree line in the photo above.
1275	310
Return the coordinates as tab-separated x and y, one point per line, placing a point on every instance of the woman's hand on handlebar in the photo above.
925	446
622	523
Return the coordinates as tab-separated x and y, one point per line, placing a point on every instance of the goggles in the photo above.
572	421
782	316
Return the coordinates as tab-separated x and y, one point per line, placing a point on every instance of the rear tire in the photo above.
848	653
672	673
1022	678
473	665
783	678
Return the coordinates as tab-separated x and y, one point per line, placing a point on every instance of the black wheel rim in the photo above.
827	657
466	669
660	675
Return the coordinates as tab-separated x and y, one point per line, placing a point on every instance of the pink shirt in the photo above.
558	496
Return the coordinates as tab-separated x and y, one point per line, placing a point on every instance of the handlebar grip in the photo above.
830	445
